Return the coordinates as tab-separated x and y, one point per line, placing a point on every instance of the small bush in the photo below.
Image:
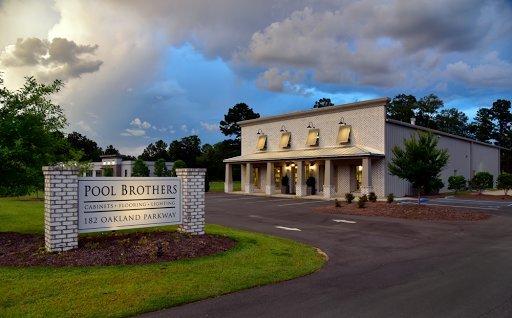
349	197
337	203
482	180
361	202
457	183
364	197
504	182
372	197
108	172
434	186
390	198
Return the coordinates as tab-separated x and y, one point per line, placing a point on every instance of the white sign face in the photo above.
115	203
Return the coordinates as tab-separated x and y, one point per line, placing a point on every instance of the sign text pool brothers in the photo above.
114	203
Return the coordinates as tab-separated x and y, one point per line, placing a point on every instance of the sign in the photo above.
115	203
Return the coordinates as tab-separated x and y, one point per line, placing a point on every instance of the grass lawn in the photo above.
128	290
218	186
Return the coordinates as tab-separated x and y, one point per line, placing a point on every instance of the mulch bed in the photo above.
407	211
22	250
476	196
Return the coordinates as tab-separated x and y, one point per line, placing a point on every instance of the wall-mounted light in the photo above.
283	129
342	121
310	125
292	165
259	132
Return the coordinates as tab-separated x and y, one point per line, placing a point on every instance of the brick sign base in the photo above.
61	205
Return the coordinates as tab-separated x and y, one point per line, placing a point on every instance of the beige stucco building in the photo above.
346	148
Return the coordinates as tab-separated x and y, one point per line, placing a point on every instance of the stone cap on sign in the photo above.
61	167
183	171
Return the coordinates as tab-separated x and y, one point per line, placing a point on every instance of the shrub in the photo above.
349	197
390	198
372	197
108	172
434	186
337	203
456	183
140	169
364	197
361	202
178	164
160	168
481	180
504	182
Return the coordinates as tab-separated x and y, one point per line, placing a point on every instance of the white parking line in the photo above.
299	203
344	221
255	216
288	228
268	200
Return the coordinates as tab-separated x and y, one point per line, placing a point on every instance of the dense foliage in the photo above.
323	102
420	162
30	135
140	169
481	181
504	182
161	169
457	183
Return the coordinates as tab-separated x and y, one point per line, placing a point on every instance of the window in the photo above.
262	142
99	173
359	177
285	140
344	134
125	173
313	137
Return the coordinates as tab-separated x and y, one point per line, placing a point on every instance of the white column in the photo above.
228	179
366	186
300	187
329	188
270	182
242	177
249	178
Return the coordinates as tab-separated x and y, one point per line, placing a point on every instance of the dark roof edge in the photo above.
367	103
442	133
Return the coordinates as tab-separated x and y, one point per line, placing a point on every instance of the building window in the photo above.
256	177
313	136
88	173
125	173
262	142
344	134
277	177
99	173
285	140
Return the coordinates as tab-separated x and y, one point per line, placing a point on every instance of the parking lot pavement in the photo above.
487	205
378	267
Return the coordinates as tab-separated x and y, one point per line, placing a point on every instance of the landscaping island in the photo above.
240	260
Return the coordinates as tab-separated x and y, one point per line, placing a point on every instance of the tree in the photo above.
426	110
108	172
187	149
111	151
212	157
90	149
481	180
323	102
178	164
241	111
402	107
30	135
140	169
504	182
419	162
161	168
456	183
453	122
155	151
482	127
501	115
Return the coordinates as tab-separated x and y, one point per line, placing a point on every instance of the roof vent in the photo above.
413	121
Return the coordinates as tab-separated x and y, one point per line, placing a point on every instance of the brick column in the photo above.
192	199
249	178
60	208
300	187
366	186
329	186
228	179
269	178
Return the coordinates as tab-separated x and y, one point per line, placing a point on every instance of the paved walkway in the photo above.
378	267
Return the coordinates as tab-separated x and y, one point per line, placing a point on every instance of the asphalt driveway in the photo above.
378	267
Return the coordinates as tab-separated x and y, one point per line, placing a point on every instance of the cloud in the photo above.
133	132
184	128
137	122
56	59
209	127
492	72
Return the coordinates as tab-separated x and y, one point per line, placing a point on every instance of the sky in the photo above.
139	71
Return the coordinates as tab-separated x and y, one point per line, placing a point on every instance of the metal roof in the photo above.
314	153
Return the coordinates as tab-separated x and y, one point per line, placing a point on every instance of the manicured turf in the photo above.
218	186
127	290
